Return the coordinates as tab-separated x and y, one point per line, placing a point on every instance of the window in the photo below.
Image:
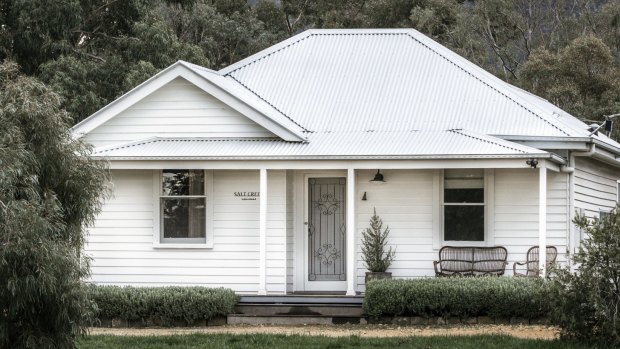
463	205
183	202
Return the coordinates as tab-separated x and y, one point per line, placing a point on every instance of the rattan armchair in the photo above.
532	261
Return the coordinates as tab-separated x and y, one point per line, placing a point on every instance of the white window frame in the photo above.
489	212
158	241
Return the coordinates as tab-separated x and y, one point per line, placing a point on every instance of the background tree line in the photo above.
92	51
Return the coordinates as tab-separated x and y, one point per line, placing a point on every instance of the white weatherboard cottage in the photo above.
258	177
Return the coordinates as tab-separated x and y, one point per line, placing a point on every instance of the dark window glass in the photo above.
183	216
183	182
464	223
464	195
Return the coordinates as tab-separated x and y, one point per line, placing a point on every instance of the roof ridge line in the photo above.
269	103
467	134
484	82
310	34
318	32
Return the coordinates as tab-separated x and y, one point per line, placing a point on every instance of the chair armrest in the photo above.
514	268
435	263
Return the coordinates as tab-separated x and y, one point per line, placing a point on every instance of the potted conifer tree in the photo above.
374	253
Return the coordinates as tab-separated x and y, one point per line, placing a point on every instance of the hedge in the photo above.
162	304
495	297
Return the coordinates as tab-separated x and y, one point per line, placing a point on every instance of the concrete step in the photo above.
242	319
337	310
302	299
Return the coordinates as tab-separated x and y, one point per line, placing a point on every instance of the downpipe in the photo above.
571	238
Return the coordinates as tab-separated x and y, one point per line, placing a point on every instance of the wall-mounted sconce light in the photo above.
532	163
364	197
378	178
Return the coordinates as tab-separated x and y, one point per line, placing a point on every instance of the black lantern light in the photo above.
378	178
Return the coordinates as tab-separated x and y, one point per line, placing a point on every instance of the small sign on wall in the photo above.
247	195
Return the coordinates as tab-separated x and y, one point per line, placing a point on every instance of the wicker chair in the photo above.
471	261
532	261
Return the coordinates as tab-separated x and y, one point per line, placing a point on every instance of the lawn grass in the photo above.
253	341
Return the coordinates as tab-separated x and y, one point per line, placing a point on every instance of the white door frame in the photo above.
301	266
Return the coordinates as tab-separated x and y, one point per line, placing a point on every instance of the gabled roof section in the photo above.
446	144
212	83
389	79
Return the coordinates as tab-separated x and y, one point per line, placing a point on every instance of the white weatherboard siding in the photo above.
595	186
405	204
178	109
516	212
121	242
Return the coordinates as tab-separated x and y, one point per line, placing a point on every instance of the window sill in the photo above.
183	246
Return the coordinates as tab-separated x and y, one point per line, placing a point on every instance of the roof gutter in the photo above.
552	157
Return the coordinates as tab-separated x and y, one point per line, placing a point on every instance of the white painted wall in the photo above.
178	109
516	212
121	242
404	203
595	186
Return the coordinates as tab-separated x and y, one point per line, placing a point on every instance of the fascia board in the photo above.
569	143
318	164
606	146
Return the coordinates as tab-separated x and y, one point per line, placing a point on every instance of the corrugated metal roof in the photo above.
383	144
389	79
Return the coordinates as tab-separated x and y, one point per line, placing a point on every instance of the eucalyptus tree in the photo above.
49	192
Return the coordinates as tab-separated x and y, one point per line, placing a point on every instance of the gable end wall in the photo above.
178	109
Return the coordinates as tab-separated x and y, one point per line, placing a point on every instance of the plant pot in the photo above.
370	276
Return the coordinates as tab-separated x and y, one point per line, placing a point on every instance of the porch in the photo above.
260	245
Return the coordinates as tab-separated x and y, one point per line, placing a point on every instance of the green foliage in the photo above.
91	51
374	240
165	304
49	192
496	297
586	303
581	78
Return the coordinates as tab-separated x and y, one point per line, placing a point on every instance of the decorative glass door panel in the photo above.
327	229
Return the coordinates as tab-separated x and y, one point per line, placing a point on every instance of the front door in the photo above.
326	233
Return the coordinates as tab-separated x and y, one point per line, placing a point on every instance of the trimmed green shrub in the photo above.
496	297
586	304
163	304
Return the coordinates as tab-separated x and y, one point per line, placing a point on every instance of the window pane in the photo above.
183	182
464	223
464	195
183	217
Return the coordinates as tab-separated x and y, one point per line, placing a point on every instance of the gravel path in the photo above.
519	331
